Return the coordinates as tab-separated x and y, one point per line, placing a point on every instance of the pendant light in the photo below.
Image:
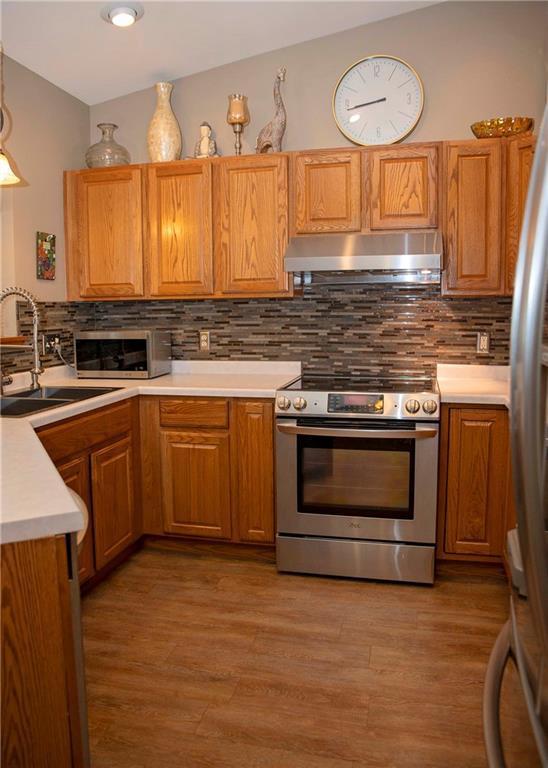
7	176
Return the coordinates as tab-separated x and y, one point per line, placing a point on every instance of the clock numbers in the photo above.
378	100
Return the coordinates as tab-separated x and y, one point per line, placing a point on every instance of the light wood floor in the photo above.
206	656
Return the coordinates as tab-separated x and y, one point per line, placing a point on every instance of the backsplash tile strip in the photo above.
380	329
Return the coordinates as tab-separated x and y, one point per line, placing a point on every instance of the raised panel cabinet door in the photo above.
180	238
404	187
109	245
196	483
254	470
473	218
519	160
112	491
75	473
476	481
252	226
327	191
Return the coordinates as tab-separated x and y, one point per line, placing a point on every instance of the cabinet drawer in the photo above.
194	412
80	433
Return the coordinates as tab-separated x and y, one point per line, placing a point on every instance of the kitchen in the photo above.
301	453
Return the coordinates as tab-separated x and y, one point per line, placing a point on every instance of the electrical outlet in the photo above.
49	342
204	341
483	343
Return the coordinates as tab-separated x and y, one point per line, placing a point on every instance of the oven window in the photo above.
359	477
111	354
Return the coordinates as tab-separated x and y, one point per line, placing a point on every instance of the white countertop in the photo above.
477	384
34	501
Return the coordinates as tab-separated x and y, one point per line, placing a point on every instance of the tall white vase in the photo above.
164	135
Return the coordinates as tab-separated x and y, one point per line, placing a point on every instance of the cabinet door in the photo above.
327	191
519	159
254	470
251	220
104	233
404	187
196	483
473	248
180	242
113	499
75	473
476	489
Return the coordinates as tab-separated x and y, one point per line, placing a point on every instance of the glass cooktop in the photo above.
310	382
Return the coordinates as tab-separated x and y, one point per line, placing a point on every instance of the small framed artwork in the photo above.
45	256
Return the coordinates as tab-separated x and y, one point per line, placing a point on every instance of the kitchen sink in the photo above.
22	406
64	393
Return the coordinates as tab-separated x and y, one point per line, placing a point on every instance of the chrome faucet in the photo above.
37	369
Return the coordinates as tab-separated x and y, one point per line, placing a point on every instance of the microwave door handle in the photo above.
410	434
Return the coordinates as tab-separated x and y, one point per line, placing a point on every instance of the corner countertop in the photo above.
34	501
475	384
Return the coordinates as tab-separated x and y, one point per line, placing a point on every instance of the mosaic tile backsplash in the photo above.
379	329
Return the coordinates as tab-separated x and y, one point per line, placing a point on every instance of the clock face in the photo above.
378	100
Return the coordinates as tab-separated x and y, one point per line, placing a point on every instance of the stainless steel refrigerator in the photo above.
515	702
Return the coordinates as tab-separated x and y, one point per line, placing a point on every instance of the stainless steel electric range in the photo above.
356	477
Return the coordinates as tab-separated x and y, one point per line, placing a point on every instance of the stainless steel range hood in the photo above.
408	257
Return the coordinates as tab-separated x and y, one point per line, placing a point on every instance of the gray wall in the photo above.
476	59
47	131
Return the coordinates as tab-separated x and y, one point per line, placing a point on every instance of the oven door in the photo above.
357	479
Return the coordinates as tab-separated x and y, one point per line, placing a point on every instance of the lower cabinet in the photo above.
474	482
196	483
113	499
75	473
215	461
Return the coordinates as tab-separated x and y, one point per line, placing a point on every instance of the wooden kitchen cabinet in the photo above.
75	473
253	449
474	482
519	160
473	218
403	187
196	483
114	518
251	226
180	239
326	187
104	237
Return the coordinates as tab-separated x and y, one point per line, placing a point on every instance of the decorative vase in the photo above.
107	151
164	135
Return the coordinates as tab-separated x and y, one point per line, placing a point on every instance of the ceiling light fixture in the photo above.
122	15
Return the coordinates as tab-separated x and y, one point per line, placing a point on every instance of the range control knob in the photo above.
430	406
299	403
412	406
283	403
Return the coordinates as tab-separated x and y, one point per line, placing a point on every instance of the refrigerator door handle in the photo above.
491	697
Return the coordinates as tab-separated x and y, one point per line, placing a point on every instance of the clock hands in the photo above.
366	104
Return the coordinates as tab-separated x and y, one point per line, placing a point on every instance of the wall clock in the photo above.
378	100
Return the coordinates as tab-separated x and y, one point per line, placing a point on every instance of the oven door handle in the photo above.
411	434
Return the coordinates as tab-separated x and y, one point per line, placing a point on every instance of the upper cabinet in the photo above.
251	218
327	191
180	241
104	240
403	187
473	218
519	159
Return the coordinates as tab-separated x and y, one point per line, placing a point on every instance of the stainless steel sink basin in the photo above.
22	406
64	393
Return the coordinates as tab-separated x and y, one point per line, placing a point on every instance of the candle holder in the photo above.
237	116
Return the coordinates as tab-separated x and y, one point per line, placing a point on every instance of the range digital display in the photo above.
341	403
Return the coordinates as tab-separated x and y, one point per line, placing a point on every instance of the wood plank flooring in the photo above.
200	656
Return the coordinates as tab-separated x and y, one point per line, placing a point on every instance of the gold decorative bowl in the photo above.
502	126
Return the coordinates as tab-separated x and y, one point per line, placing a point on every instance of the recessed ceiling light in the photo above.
122	15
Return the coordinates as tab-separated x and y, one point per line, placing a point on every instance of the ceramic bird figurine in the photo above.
270	137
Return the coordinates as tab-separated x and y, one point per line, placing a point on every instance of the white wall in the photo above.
476	59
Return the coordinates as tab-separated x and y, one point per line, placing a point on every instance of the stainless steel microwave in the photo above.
132	354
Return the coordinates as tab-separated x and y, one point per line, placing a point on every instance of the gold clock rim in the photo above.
355	64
